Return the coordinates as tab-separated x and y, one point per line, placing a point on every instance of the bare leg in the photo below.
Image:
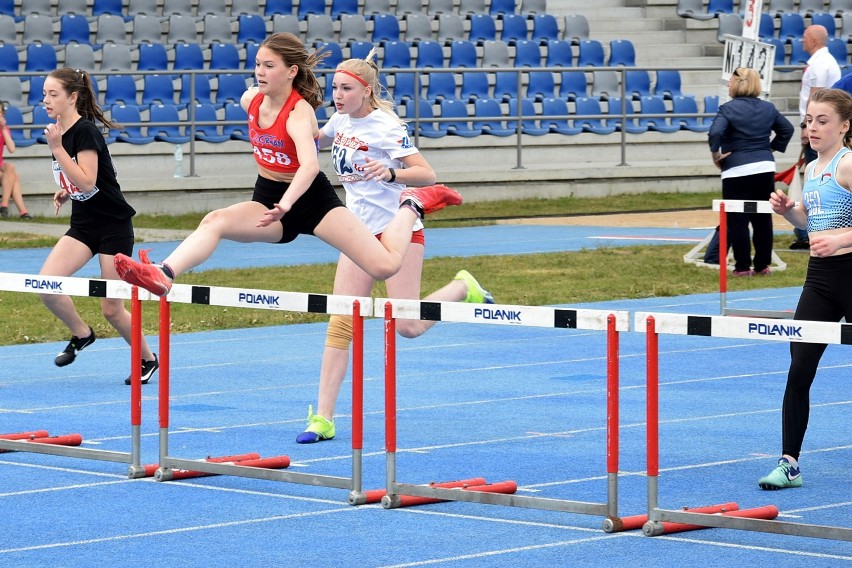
115	311
235	223
12	181
67	257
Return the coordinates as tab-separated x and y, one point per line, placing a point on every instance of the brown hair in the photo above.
77	81
840	101
368	71
292	51
745	83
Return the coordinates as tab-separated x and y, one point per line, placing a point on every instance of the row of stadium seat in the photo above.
178	28
696	9
790	27
168	123
301	8
221	88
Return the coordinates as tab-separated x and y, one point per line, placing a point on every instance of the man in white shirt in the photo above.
821	72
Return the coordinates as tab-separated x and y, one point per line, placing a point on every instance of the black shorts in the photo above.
307	212
110	239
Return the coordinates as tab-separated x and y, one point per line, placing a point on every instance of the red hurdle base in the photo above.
635	522
248	460
67	440
499	487
25	435
767	512
375	495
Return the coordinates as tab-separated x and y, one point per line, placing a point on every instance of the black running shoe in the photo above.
148	368
76	345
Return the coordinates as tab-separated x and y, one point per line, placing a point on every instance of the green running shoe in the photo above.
318	429
782	477
476	294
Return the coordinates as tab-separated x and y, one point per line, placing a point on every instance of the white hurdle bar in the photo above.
612	322
93	288
724	206
653	324
274	300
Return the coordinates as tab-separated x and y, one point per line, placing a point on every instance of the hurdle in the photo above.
759	519
600	320
357	307
724	206
69	445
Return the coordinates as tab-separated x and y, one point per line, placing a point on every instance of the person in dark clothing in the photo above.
741	144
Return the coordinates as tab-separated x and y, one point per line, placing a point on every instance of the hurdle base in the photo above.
635	522
657	528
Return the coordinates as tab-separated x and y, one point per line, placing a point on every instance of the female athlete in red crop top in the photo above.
291	194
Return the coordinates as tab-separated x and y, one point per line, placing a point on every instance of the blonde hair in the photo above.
745	82
367	70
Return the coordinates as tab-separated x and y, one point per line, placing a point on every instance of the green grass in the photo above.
543	279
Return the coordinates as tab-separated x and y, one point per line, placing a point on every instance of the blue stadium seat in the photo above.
527	54
157	89
500	7
505	86
21	136
540	85
441	86
130	120
688	105
656	106
339	7
152	57
482	28
557	107
209	132
766	28
40	120
188	57
360	49
798	55
622	52
837	47
73	28
573	85
462	54
235	112
251	27
457	109
335	55
514	28
35	96
120	89
230	88
173	134
40	57
637	84
494	122
203	92
591	106
559	53
429	54
720	7
403	87
474	85
616	106
10	61
545	28
590	53
306	7
385	28
825	20
273	7
529	123
792	26
251	54
422	109
224	56
667	83
111	7
397	54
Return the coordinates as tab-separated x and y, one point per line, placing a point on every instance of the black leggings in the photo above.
756	187
825	297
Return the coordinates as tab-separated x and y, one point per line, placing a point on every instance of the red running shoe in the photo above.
431	198
142	274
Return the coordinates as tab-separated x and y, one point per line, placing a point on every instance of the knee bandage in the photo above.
339	333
